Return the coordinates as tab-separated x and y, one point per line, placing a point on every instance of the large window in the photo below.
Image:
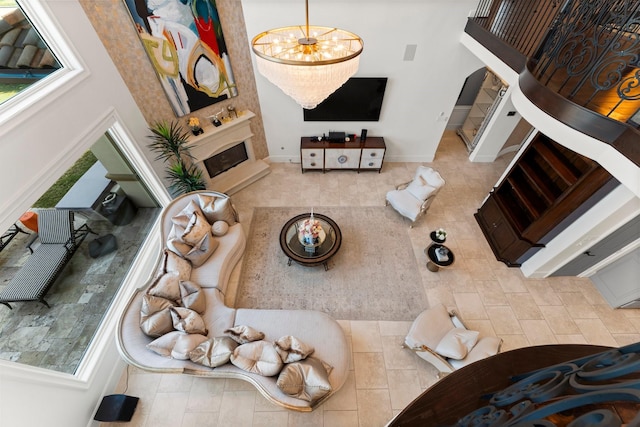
25	58
57	337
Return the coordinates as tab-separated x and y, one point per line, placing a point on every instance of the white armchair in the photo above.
440	338
413	198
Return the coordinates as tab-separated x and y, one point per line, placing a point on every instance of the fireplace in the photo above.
226	152
226	160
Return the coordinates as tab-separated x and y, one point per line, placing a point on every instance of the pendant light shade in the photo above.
307	62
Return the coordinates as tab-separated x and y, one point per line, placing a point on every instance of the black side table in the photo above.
433	264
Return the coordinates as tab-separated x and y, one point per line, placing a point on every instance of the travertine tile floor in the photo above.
385	378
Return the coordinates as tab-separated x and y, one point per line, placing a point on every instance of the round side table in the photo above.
433	264
434	239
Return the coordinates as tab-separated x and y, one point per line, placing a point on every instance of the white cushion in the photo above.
155	316
187	320
486	346
259	357
197	228
176	344
429	327
192	296
243	334
457	343
420	189
291	349
219	228
405	203
213	352
307	379
430	176
166	286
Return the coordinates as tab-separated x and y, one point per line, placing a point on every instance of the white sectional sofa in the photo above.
312	328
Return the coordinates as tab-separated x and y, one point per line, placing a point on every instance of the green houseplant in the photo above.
171	142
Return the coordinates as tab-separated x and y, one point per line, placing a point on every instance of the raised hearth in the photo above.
216	142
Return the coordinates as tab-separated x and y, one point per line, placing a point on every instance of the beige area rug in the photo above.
374	275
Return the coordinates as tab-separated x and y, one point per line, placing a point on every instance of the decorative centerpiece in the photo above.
194	124
310	233
441	234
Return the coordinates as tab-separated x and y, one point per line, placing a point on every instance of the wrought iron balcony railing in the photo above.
588	52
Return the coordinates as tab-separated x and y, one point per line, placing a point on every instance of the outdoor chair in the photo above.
412	199
8	236
58	242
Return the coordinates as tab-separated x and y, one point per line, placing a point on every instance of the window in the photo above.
25	58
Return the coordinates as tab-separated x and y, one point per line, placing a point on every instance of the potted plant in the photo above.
171	142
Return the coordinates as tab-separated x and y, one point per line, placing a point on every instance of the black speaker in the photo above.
116	407
363	135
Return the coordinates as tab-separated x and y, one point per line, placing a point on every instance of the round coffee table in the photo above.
304	255
433	263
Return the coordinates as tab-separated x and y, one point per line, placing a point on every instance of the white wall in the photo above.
37	146
417	91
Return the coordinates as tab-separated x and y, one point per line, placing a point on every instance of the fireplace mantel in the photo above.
215	140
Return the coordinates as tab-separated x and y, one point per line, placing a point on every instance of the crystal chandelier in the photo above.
307	62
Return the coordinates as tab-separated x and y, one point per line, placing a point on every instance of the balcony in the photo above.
577	61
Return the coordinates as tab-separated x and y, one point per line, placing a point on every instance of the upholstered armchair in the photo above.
441	338
412	199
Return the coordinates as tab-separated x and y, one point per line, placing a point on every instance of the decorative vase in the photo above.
216	121
196	130
310	233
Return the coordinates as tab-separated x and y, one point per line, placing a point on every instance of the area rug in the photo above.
374	275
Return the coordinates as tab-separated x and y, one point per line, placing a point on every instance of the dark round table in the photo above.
304	255
433	264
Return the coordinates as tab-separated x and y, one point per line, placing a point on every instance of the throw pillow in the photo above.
187	320
258	357
307	379
420	189
196	254
155	316
173	262
243	334
213	352
217	209
197	228
291	349
166	286
219	228
176	344
192	296
183	218
457	343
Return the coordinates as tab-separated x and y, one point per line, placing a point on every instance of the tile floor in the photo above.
489	296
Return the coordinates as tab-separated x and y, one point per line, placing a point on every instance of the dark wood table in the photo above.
303	255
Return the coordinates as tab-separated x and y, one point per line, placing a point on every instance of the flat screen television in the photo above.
358	100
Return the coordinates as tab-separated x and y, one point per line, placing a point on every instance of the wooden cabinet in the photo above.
352	155
546	187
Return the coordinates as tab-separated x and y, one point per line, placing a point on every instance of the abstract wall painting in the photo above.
184	41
